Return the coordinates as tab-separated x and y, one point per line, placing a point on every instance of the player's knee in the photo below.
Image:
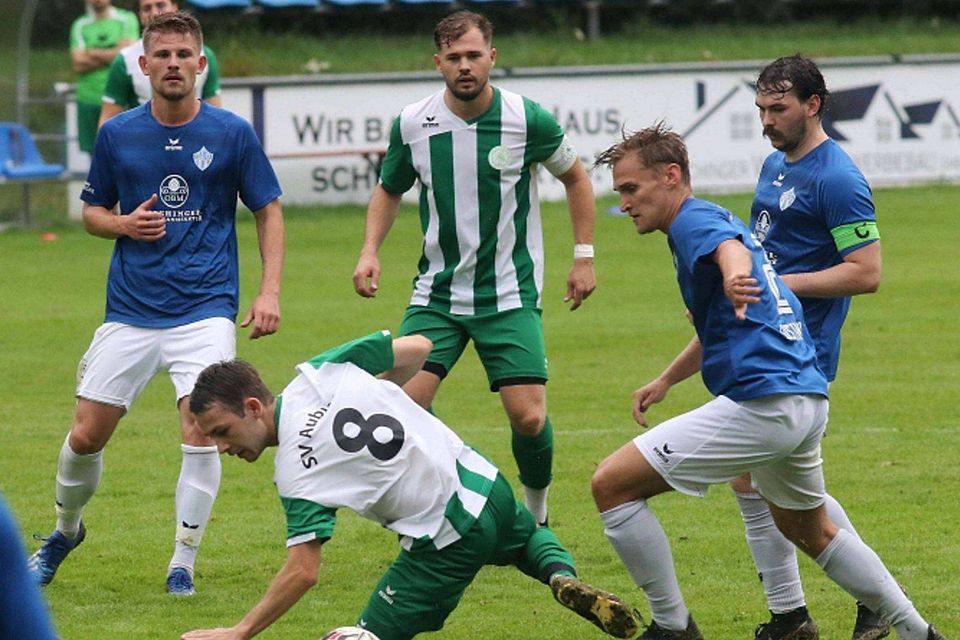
603	488
84	440
528	422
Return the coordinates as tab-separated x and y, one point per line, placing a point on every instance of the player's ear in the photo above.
254	407
201	63
493	56
142	60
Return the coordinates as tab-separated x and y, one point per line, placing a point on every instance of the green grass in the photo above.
889	452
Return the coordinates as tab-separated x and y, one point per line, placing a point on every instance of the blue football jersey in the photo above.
808	215
197	170
771	351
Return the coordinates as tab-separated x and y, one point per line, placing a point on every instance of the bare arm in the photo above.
858	273
265	311
141	224
107	111
583	212
683	366
409	354
296	577
739	285
83	60
381	212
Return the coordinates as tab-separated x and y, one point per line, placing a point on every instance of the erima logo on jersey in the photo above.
430	122
88	188
173	144
792	331
779	181
387	594
174	191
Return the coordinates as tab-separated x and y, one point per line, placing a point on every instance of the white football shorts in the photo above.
776	439
122	359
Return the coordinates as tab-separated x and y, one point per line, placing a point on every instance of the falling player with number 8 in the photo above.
346	438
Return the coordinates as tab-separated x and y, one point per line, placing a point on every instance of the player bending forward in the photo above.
348	439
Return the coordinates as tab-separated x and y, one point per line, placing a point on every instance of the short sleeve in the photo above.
373	353
848	210
76	36
258	181
100	189
544	135
397	173
131	27
696	235
307	521
119	89
211	86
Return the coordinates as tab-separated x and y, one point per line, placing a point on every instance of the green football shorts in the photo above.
88	117
509	343
424	585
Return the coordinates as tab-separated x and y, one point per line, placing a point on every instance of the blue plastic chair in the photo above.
20	158
288	4
221	4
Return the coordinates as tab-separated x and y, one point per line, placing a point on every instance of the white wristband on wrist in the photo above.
582	251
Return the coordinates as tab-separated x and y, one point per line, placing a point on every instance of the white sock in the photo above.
642	545
774	556
196	491
78	477
839	517
855	567
536	502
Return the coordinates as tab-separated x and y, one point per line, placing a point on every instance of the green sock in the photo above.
534	457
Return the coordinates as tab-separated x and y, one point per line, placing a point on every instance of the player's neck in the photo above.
174	113
469	109
815	137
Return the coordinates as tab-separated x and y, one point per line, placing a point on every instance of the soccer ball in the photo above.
349	633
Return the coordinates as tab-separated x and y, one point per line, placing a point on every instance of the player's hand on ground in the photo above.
366	277
741	289
145	224
580	283
212	634
647	395
264	314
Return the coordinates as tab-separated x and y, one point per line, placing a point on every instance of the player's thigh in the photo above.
712	444
118	364
189	349
795	480
510	346
421	589
447	332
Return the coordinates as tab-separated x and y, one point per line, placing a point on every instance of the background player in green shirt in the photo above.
95	39
475	149
128	87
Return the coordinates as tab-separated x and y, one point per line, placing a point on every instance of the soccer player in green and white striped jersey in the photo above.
347	439
475	149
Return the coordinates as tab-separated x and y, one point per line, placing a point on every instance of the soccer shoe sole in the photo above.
873	633
599	607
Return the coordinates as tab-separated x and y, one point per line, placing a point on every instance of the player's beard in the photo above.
787	141
471	94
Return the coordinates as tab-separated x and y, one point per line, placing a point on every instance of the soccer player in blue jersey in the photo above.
813	213
23	613
757	357
176	166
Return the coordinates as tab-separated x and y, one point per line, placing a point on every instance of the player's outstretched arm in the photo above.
264	313
583	213
142	223
739	285
683	366
381	212
296	577
409	354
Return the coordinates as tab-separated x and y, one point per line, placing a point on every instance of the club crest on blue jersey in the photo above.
787	198
174	191
762	227
202	158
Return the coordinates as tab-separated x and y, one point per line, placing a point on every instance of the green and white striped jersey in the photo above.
479	210
347	439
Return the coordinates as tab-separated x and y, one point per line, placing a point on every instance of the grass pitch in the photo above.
889	452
